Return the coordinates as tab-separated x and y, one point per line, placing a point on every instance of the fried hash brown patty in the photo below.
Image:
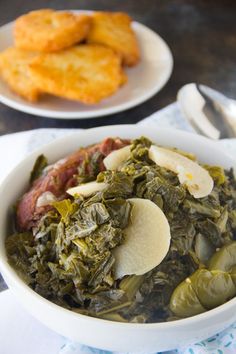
14	71
48	31
87	73
114	30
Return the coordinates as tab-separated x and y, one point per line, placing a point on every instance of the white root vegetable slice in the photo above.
114	160
147	240
87	189
196	178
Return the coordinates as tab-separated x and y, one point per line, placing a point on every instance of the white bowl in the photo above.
115	336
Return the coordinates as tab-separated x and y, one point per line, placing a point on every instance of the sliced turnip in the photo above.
115	159
147	240
196	178
87	189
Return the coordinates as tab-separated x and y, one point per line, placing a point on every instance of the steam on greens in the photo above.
68	258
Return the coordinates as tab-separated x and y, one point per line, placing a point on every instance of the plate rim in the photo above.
100	112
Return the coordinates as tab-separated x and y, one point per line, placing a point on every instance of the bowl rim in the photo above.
12	274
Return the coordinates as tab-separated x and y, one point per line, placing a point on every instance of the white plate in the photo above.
144	80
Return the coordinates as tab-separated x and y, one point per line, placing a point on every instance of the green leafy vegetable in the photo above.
65	208
38	168
217	173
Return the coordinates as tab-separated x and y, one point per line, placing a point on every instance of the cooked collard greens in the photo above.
67	254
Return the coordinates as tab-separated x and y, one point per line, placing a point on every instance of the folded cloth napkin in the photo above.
19	332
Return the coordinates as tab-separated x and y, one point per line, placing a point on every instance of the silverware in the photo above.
208	111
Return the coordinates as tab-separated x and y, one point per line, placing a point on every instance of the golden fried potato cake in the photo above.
114	30
48	30
87	73
14	70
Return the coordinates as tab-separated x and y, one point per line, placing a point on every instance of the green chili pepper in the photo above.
233	274
213	288
206	289
184	301
224	259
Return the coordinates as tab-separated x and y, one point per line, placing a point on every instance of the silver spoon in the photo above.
208	111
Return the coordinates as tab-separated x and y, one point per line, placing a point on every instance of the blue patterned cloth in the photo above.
222	343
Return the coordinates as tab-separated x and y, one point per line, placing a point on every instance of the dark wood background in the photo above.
201	35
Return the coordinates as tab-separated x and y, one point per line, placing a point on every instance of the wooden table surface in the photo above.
201	35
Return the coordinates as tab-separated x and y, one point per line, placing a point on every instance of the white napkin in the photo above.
14	147
22	334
